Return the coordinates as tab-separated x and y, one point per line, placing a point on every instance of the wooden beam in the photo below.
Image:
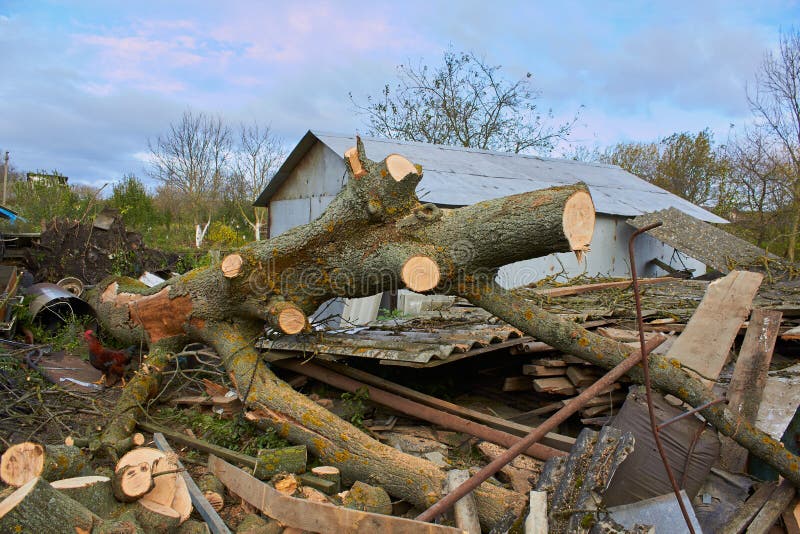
772	509
557	441
577	290
749	378
313	516
747	511
215	523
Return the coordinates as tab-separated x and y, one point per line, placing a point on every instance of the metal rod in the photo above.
536	434
690	412
646	367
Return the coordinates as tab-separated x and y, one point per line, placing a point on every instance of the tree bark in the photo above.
361	245
37	507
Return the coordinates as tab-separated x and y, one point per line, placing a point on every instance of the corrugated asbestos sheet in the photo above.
461	176
415	348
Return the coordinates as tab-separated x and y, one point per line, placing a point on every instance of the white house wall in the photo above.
608	257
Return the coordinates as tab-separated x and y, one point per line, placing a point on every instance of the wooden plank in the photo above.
791	517
579	377
747	511
704	346
313	516
772	509
549	362
556	386
557	441
215	523
465	509
543	370
576	290
518	383
749	378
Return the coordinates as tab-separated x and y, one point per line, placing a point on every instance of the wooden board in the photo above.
557	386
576	290
749	378
704	345
313	516
543	370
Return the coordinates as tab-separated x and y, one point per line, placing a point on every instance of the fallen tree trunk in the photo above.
374	236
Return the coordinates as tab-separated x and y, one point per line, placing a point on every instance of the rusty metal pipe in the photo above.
700	408
420	411
646	368
538	433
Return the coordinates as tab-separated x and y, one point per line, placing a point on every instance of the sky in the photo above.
85	85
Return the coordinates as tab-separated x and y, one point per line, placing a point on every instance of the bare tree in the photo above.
257	157
193	158
775	101
463	102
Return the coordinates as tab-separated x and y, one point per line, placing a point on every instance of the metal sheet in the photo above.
662	512
462	176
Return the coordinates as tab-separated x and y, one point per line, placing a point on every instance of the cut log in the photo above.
155	517
25	461
93	492
748	380
554	386
366	498
283	460
286	317
420	274
329	473
37	507
286	483
185	481
124	445
399	167
132	482
232	265
213	490
329	487
465	509
352	159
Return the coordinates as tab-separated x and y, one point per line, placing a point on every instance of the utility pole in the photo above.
5	178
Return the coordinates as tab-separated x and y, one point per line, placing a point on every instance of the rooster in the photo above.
111	362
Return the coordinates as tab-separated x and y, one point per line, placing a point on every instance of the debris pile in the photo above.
92	251
599	407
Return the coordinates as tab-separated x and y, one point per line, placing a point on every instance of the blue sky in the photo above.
86	84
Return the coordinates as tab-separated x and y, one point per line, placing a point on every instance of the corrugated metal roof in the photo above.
456	176
429	347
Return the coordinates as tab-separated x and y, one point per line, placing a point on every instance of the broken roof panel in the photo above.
457	176
428	347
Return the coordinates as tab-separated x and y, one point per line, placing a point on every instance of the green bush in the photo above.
221	235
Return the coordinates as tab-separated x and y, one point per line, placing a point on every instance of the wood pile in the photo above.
145	491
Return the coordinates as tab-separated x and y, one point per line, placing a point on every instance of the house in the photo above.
314	172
